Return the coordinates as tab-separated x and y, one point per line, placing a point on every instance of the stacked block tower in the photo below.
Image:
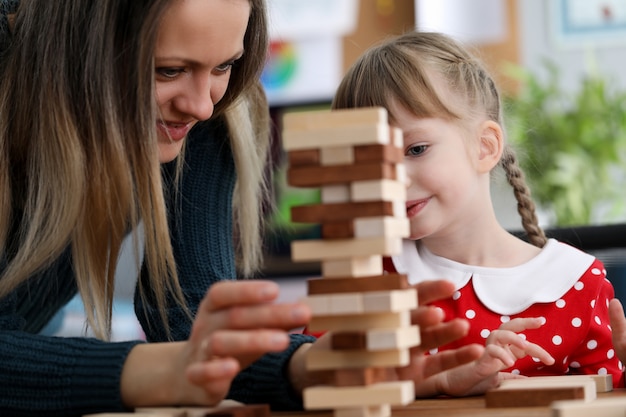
356	159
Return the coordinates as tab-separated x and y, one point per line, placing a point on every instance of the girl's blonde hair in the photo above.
401	69
78	148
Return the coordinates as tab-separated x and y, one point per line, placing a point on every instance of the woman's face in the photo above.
198	42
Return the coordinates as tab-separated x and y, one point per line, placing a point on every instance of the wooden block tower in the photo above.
356	159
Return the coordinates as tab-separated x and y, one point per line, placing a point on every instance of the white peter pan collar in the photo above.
545	278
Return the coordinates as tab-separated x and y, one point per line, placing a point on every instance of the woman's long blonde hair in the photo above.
78	148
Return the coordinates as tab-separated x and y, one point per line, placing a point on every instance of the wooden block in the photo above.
362	376
400	174
249	410
339	193
313	120
356	322
383	410
321	359
319	249
397	137
353	267
317	176
303	157
184	411
392	393
376	339
540	394
601	407
360	284
604	383
364	134
338	230
381	226
336	212
140	414
375	190
396	300
335	304
337	155
378	153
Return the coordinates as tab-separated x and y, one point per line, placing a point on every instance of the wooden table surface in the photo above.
461	407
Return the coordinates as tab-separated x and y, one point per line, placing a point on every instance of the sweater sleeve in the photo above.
200	219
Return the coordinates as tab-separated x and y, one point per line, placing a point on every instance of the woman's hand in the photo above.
236	323
618	328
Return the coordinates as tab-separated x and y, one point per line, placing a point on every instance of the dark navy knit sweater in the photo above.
51	376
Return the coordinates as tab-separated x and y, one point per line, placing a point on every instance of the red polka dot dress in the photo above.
565	286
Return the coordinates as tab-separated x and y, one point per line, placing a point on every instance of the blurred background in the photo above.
560	64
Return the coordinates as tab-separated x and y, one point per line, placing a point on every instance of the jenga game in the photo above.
356	159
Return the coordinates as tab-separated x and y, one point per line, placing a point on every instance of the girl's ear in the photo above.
491	145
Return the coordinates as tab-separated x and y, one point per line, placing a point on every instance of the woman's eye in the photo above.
167	72
225	67
416	150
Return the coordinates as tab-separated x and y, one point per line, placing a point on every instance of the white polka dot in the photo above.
484	333
522	336
575	364
597	320
576	322
470	314
456	295
610	354
593	303
608	326
543	320
579	286
536	359
604	271
505	319
602	371
560	303
557	340
433	351
620	365
607	302
596	271
565	360
592	344
515	372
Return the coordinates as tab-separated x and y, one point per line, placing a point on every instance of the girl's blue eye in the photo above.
416	150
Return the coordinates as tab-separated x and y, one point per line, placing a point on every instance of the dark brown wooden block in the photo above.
338	230
384	282
336	212
348	340
378	153
532	397
317	176
251	410
304	157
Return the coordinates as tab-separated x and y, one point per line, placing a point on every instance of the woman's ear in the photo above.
491	145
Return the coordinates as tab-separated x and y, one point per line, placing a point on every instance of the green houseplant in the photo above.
571	145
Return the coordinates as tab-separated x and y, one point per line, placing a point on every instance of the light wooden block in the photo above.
364	134
362	376
376	339
321	359
312	120
337	155
374	190
136	414
540	394
397	137
400	174
339	193
188	411
357	303
383	282
392	393
336	212
604	383
383	410
382	301
319	249
353	267
360	322
601	407
381	226
317	176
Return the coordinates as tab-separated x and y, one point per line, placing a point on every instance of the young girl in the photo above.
551	296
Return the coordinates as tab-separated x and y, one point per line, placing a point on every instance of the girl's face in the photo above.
444	182
198	42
